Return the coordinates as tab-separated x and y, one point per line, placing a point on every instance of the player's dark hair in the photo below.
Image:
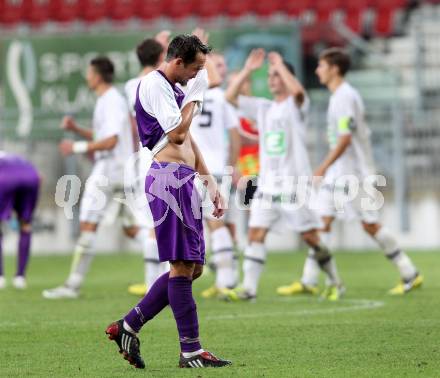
338	57
186	47
290	67
105	68
148	52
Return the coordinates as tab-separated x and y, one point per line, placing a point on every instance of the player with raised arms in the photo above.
164	115
283	157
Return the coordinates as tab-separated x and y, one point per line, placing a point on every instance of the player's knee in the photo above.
25	227
311	238
371	228
256	235
131	232
88	227
182	269
198	270
327	224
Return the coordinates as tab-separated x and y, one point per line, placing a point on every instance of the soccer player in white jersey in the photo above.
111	142
151	54
210	130
283	158
350	154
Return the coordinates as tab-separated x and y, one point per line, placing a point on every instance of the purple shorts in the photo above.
19	187
176	207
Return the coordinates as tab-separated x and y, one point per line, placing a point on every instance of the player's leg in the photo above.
24	244
152	266
25	203
222	246
324	259
2	277
409	274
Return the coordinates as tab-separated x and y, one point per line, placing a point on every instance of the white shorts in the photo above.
100	198
271	213
335	202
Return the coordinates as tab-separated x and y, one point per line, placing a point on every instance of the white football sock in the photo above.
152	266
128	328
327	262
392	251
223	257
82	258
192	354
311	270
253	265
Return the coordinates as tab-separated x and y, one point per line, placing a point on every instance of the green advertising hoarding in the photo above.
43	77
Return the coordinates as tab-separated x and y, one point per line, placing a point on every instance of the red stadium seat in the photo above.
148	9
238	8
121	10
11	11
325	8
93	10
178	9
354	11
295	8
210	9
266	8
64	10
36	11
385	12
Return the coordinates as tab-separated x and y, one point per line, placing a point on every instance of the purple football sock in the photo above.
154	302
24	245
1	254
185	312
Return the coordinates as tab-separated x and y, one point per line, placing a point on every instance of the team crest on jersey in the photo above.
275	142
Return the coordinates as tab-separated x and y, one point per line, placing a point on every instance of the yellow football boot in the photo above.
405	287
211	292
138	289
333	293
296	288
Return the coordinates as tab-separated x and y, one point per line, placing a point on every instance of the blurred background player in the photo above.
164	115
351	154
248	160
150	53
283	156
19	188
215	132
111	141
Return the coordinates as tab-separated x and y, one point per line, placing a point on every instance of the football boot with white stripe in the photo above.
202	360
127	342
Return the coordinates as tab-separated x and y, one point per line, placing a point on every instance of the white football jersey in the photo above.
346	115
210	129
283	153
130	89
111	117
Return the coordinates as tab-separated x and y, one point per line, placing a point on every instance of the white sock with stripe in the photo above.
253	265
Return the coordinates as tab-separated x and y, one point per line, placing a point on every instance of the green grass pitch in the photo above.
367	334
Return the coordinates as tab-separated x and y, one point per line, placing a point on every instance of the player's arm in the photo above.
290	81
343	142
214	77
69	147
134	132
235	146
179	134
208	180
254	61
69	124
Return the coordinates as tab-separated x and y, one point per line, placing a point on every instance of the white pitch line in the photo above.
358	305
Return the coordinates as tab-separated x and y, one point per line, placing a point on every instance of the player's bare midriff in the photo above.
178	153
